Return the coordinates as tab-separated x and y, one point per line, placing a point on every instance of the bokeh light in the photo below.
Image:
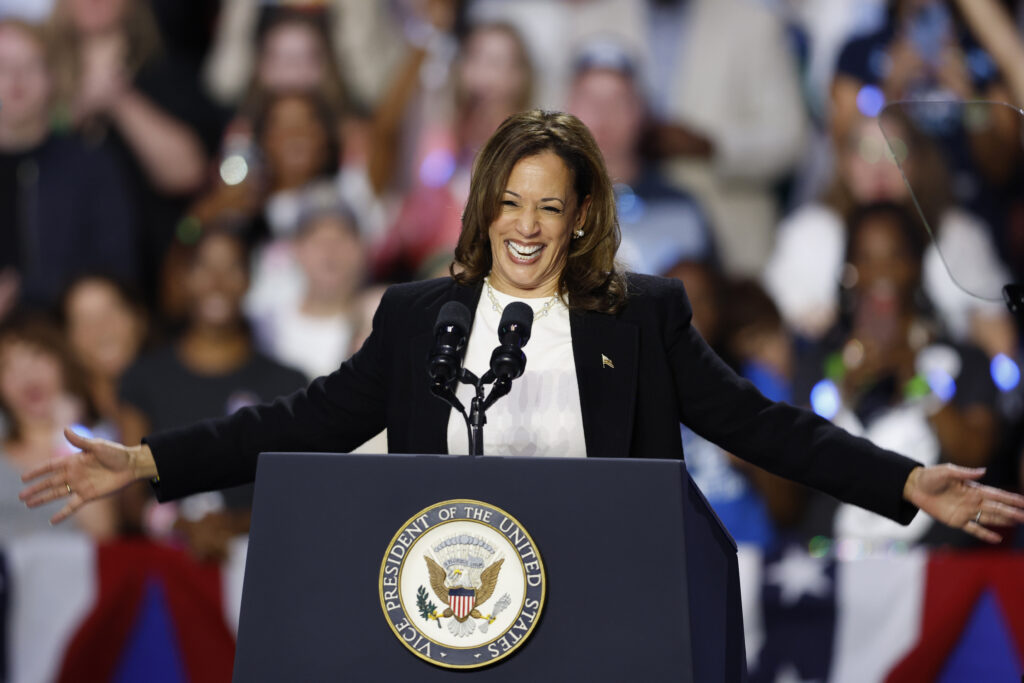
1005	372
825	399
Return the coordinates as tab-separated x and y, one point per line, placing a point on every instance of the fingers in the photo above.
978	531
994	512
1005	497
959	472
74	503
997	514
46	491
76	439
54	466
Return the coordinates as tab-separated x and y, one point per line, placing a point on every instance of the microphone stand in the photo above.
477	416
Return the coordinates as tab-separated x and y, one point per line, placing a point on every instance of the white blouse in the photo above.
541	414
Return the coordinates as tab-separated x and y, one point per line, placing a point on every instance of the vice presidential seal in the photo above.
462	584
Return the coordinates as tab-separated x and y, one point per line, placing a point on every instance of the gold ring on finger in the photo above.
68	487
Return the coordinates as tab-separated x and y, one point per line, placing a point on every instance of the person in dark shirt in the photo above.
64	206
887	372
211	370
116	84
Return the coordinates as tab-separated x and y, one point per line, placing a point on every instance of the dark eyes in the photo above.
554	210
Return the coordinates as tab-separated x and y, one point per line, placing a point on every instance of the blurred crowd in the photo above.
201	202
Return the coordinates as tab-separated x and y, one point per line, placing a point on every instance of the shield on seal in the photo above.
461	601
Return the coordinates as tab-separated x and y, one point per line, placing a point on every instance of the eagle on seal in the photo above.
480	594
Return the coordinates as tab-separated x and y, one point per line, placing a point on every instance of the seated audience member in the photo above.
41	391
116	83
64	206
106	327
491	80
805	270
886	372
659	222
314	332
212	369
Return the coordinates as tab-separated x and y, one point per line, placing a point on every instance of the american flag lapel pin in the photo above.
606	362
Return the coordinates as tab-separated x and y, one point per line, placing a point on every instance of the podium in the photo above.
641	578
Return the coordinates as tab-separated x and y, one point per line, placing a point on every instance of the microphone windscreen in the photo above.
517	316
455	314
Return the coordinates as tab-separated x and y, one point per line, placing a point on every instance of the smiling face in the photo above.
104	330
217	281
292	59
531	235
31	380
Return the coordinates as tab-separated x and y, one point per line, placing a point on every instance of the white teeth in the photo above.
523	251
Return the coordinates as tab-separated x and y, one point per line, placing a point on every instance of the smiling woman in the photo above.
530	237
541	215
615	366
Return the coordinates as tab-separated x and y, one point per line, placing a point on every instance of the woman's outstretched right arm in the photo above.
336	412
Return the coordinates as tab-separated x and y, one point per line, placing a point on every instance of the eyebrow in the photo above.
543	199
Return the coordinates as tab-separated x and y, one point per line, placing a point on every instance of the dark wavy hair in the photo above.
591	281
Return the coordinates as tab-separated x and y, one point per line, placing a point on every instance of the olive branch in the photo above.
428	610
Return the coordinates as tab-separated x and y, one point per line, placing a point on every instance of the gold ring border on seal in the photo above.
391	543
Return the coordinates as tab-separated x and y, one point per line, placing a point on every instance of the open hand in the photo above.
101	468
950	494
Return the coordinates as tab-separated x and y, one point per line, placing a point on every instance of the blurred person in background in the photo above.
805	269
41	389
298	149
64	205
297	143
924	51
314	333
106	327
730	119
753	504
212	369
887	373
116	83
490	79
365	41
294	56
991	23
659	222
1001	37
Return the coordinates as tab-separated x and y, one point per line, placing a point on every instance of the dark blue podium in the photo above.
642	579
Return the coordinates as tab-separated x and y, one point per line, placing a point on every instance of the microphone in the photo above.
450	332
508	360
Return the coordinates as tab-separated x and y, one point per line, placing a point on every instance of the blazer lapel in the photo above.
605	351
432	419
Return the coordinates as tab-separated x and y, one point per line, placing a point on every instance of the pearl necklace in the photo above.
537	315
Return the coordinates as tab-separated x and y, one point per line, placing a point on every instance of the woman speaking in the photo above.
615	366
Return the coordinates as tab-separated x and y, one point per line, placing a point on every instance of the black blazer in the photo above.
664	373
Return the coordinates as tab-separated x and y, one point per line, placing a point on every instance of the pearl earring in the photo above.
578	234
